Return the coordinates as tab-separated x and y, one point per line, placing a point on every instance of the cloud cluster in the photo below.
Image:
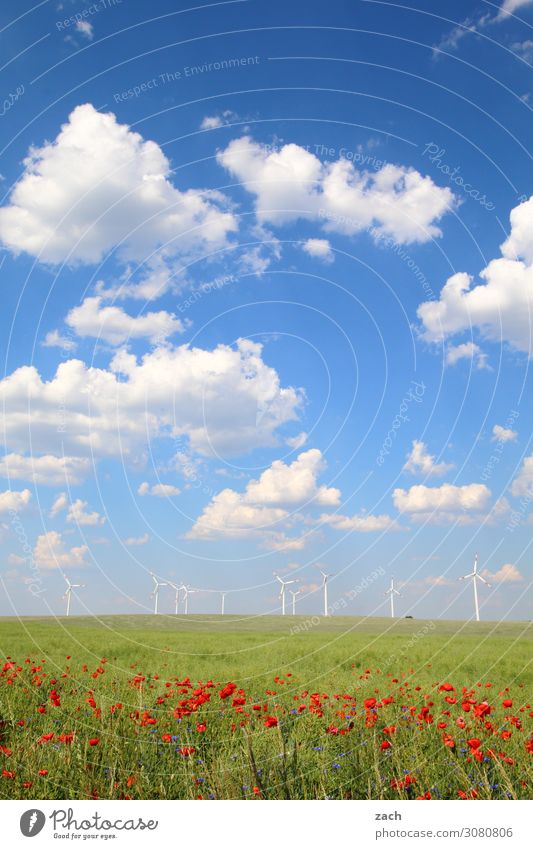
420	461
50	552
114	325
292	183
262	508
14	501
99	185
500	307
225	400
444	504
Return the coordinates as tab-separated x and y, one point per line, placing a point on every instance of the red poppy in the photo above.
474	743
43	772
385	745
507	703
271	721
94	741
166	738
447	687
370	703
201	727
187	751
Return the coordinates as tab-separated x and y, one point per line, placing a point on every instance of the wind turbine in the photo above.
392	591
177	589
155	593
186	591
325	577
223	594
282	592
294	593
68	592
475	577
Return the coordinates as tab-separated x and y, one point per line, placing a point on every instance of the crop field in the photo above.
145	707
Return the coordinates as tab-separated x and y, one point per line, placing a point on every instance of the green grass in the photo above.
346	659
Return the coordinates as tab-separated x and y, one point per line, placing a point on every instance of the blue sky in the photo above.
267	284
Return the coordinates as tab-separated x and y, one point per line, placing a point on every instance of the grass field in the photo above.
265	707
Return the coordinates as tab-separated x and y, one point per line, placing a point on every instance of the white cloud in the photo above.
524	49
523	483
438	581
77	514
298	441
137	540
50	552
503	434
507	574
501	307
364	523
263	503
211	397
17	501
213	122
292	183
448	502
60	504
466	351
48	469
99	185
508	7
114	325
420	461
320	249
159	490
53	339
85	28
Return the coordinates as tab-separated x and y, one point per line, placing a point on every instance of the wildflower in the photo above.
385	745
186	751
94	741
507	703
43	772
201	727
271	722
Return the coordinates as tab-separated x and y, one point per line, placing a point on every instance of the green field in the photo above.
134	707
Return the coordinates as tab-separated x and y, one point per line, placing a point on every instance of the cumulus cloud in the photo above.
444	504
85	28
507	574
297	441
213	122
292	183
159	490
319	248
364	523
420	461
212	397
263	504
99	185
500	307
466	351
54	339
503	434
50	552
77	512
523	483
47	469
17	501
130	541
114	325
510	6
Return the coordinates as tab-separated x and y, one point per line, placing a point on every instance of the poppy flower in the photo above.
447	688
201	727
474	743
94	741
385	745
43	772
370	703
187	751
271	722
166	738
507	703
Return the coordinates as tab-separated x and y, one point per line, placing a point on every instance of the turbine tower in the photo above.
186	591
223	594
475	577
282	592
68	592
392	591
155	593
325	577
294	593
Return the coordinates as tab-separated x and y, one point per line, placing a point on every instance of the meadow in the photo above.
174	707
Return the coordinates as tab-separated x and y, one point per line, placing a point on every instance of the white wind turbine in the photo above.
282	592
155	593
475	578
223	594
68	592
186	591
177	589
325	577
392	591
294	593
